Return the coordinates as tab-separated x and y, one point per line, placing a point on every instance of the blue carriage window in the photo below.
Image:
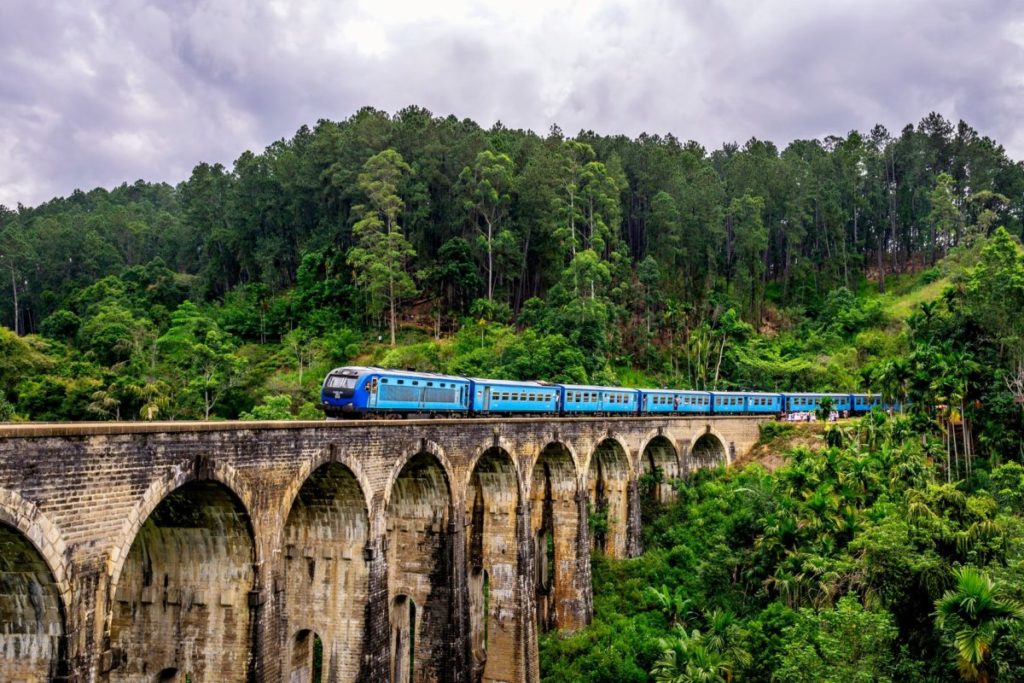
401	381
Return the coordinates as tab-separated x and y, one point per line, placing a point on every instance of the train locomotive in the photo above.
355	392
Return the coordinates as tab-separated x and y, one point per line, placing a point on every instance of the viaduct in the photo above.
404	551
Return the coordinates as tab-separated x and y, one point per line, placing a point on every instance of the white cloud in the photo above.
101	92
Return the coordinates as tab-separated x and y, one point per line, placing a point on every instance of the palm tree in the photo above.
972	615
673	604
689	659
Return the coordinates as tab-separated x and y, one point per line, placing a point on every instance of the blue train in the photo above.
362	391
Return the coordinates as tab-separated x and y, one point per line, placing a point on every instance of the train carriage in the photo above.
492	396
863	403
354	391
728	402
577	398
671	401
809	403
763	403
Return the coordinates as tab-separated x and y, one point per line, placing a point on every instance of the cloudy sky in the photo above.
96	92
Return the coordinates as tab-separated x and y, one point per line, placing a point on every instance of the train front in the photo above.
342	393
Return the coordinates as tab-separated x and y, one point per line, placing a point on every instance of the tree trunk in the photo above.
14	293
718	365
490	259
881	271
391	301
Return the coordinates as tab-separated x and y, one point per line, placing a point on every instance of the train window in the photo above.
401	381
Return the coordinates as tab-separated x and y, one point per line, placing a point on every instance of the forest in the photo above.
430	242
889	548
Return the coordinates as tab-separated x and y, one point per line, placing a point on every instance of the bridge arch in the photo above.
420	565
659	455
31	522
325	571
185	472
492	502
183	598
415	450
708	448
332	454
555	502
33	594
303	666
502	444
608	476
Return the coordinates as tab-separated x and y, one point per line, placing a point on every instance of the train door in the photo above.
487	399
371	390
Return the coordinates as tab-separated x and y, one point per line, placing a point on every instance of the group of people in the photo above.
813	417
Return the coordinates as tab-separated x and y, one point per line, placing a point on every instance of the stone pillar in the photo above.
634	544
377	626
584	599
527	585
458	669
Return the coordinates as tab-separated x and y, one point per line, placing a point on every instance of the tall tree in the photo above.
487	187
381	252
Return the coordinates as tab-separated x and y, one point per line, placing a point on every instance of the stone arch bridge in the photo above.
405	551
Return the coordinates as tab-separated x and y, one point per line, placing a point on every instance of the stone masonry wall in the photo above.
119	579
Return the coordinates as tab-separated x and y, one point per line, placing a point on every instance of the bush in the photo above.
773	430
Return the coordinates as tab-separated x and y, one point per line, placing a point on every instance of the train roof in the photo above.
512	382
591	387
365	369
675	391
742	392
815	393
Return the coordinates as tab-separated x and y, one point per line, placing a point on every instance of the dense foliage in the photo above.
855	563
595	258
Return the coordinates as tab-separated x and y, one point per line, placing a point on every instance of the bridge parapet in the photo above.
180	549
